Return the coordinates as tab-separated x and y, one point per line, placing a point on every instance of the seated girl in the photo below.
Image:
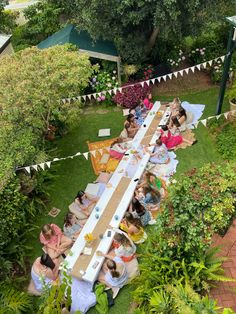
133	227
44	271
71	227
131	126
149	198
148	102
55	242
140	112
179	113
157	184
114	273
140	212
160	153
117	150
124	247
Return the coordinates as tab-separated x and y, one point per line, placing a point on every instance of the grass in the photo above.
74	174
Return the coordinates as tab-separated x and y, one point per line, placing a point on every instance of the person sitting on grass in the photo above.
157	184
149	198
133	227
117	150
124	247
55	242
71	228
44	271
160	153
85	202
114	273
131	126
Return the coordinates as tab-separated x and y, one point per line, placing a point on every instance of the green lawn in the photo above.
74	174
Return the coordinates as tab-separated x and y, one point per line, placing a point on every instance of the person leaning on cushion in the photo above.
71	227
124	247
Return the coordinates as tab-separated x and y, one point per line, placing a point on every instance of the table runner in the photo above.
102	225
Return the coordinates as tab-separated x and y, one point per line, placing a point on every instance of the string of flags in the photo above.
47	164
158	79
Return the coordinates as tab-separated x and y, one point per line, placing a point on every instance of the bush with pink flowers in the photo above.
131	95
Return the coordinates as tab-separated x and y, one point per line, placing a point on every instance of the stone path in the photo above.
225	292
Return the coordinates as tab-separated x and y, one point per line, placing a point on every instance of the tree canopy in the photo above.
32	83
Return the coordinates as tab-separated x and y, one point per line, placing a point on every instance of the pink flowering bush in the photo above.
131	95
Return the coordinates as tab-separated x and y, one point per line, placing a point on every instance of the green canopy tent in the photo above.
101	49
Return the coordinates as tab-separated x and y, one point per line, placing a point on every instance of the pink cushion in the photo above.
103	177
115	154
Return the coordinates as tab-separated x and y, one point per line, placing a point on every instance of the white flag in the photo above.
218	116
42	165
159	79
56	159
110	92
204	122
164	77
192	69
115	90
170	76
175	74
211	117
85	155
100	151
226	114
181	72
186	70
222	58
148	82
27	169
48	163
153	81
78	154
35	167
204	65
93	152
89	96
198	66
120	89
210	62
69	100
64	100
84	97
196	124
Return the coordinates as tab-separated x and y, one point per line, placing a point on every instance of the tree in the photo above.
32	83
7	18
135	25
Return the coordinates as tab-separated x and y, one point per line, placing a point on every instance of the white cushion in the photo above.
104	132
190	117
104	159
92	189
125	112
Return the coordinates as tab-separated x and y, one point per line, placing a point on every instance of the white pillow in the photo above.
92	189
190	117
104	159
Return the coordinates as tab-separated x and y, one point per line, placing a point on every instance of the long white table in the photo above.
128	165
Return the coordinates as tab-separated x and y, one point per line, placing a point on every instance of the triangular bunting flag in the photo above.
35	167
100	151
142	84
89	96
56	159
42	165
64	100
85	155
210	62
196	124
164	77
175	74
226	114
222	58
110	92
186	70
153	81
181	72
93	152
74	98
72	156
27	169
48	163
94	95
78	154
159	79
204	65
218	116
211	117
170	76
69	100
198	66
192	69
84	97
120	89
204	122
148	82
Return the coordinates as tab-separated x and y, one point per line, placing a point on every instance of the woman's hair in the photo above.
175	122
117	141
129	117
68	218
134	221
139	208
111	265
159	142
47	261
45	230
148	175
156	195
80	195
182	112
122	239
164	127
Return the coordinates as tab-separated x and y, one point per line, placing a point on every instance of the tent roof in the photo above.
83	41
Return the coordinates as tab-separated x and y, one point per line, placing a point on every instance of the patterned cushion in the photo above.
112	164
104	177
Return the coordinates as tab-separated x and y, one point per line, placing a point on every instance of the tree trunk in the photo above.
152	40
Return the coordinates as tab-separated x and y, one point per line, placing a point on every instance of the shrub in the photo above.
131	95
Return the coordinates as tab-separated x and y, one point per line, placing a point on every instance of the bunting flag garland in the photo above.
186	70
175	74
93	152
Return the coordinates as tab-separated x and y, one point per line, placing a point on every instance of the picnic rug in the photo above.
188	135
101	148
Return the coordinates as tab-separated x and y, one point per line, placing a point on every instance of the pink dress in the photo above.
171	140
147	103
53	240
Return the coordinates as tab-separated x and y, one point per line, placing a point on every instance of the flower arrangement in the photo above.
104	81
89	237
198	55
131	95
176	58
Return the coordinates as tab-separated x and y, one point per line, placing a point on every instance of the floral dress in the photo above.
161	155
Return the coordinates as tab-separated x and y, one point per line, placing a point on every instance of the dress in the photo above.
120	281
147	103
117	151
126	253
161	155
139	115
137	237
69	231
171	140
40	280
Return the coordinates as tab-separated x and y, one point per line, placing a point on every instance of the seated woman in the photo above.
140	212
157	184
179	113
149	198
131	126
117	150
114	273
140	112
124	247
133	227
71	228
160	153
148	102
44	271
54	240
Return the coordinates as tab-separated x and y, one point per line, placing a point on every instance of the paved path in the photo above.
225	292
